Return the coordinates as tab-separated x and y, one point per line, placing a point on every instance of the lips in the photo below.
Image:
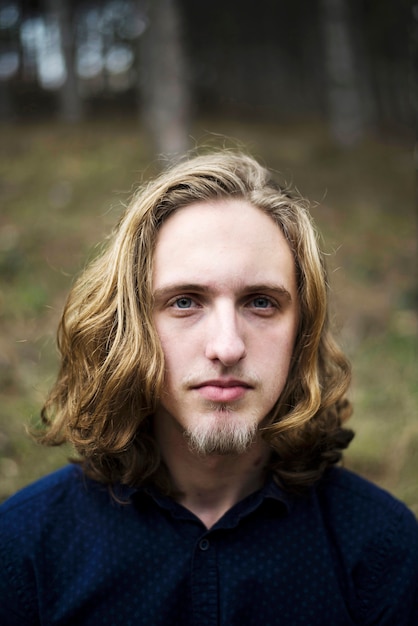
223	390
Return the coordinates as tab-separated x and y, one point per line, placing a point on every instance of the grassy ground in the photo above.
61	190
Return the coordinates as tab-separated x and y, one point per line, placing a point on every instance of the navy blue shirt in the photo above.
344	554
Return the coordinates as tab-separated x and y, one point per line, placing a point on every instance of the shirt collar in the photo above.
271	491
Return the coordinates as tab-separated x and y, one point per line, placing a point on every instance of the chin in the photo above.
222	437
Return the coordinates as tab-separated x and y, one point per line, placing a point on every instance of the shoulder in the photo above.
59	496
345	491
62	477
30	522
53	488
360	509
375	540
46	529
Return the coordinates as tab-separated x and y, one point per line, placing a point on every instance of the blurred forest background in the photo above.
95	97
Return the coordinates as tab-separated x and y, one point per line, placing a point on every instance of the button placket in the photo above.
205	583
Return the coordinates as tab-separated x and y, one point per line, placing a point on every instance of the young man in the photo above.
204	394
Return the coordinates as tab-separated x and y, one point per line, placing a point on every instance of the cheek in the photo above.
177	357
178	343
167	338
277	346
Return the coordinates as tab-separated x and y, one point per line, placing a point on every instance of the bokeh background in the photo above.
95	97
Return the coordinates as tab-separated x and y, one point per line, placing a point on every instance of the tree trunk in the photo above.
346	107
6	101
164	85
70	109
414	99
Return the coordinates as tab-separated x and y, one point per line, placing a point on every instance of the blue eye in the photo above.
183	303
261	302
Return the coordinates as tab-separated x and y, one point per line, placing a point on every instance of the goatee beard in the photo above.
223	434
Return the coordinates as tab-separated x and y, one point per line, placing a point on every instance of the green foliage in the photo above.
62	191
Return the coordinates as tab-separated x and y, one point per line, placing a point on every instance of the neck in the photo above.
210	485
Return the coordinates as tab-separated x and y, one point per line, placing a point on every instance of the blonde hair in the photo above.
112	366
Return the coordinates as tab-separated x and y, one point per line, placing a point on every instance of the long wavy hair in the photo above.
112	365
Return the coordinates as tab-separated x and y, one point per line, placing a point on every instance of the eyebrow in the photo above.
166	291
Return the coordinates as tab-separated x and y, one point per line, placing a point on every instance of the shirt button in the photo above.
204	544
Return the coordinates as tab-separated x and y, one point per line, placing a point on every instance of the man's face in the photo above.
226	311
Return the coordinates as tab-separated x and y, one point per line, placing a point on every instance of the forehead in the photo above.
224	242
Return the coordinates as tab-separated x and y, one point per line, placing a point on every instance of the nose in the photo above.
225	342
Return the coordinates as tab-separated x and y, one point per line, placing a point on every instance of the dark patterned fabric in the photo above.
345	554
